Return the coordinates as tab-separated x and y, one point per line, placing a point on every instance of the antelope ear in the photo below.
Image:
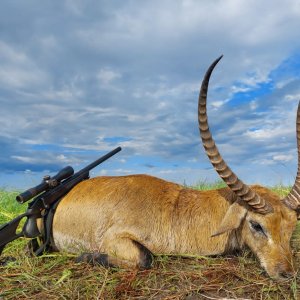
232	219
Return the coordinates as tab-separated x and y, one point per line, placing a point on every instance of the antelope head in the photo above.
262	220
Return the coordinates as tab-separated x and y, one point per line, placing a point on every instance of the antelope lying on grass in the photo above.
123	220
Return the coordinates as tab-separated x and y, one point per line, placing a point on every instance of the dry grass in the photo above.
56	276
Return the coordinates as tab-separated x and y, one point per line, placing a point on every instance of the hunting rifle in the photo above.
48	193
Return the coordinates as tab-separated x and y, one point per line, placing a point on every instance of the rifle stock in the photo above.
8	231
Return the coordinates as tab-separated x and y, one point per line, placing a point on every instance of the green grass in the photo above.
204	185
56	276
9	208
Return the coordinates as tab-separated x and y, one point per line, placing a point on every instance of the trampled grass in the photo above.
56	276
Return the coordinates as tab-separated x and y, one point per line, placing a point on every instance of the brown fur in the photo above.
124	216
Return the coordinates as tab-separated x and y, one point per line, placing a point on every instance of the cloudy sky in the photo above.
79	78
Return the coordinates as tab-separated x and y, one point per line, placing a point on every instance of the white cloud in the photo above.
217	104
292	97
24	158
74	6
107	76
283	157
282	83
49	43
266	133
17	69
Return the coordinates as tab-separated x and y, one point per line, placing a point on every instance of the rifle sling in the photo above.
45	242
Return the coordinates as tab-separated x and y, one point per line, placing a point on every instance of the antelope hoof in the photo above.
94	259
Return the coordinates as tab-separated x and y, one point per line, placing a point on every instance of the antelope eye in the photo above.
257	227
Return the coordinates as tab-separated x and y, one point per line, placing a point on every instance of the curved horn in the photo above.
243	191
292	200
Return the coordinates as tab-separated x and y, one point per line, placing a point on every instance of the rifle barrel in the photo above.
100	160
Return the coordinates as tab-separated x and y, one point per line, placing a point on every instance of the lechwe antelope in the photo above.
124	220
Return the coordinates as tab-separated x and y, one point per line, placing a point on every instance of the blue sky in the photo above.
79	78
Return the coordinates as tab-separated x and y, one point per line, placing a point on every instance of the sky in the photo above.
79	78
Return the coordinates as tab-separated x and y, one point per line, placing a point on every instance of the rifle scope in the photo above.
47	183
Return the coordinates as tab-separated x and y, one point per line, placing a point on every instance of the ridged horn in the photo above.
243	191
292	200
